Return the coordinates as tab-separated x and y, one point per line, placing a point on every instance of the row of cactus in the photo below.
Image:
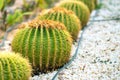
46	41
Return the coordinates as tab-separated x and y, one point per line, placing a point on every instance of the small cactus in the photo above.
47	44
89	3
14	67
68	18
80	9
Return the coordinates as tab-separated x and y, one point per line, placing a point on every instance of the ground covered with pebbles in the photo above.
99	53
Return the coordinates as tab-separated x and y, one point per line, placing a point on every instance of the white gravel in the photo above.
99	54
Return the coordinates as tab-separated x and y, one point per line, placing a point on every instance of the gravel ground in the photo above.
99	53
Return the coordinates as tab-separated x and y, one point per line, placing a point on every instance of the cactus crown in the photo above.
67	17
79	8
47	44
61	10
14	67
36	23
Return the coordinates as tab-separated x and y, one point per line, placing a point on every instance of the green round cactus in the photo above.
14	67
89	3
47	44
68	18
80	9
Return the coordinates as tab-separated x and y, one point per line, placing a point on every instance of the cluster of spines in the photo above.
47	44
68	18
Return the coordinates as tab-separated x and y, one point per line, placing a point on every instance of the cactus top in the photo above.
59	10
36	23
8	55
62	10
62	15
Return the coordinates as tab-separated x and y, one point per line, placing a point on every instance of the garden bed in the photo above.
98	56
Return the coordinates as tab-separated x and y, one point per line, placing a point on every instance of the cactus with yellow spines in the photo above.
68	18
47	44
14	67
79	8
89	3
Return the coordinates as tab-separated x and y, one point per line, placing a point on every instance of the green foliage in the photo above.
68	18
46	44
6	3
17	16
9	2
41	4
14	67
99	6
13	18
33	4
50	2
80	9
95	3
1	4
89	3
28	5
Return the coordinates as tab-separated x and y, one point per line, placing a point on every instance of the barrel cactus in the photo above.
89	3
68	18
14	67
47	44
80	9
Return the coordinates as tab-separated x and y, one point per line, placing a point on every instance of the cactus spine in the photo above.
89	3
80	9
68	18
14	67
47	44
